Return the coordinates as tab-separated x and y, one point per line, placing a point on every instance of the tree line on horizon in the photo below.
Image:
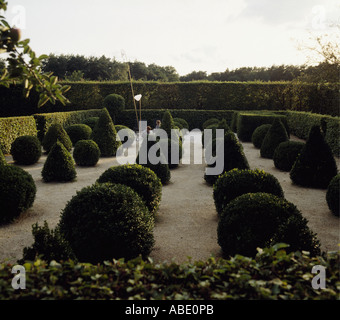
82	68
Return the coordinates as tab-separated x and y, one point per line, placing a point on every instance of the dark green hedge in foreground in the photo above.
272	274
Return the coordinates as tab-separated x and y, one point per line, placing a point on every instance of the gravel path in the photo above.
186	222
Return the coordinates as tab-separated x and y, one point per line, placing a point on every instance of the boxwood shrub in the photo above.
86	153
78	132
233	156
275	135
236	182
333	195
315	166
107	221
255	220
91	122
143	180
26	150
182	122
126	135
210	122
55	133
259	134
105	135
286	154
59	165
17	192
115	104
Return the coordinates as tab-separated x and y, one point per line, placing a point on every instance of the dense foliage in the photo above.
275	135
78	132
107	221
233	156
126	135
105	135
55	133
91	122
26	150
255	220
315	166
17	192
259	134
141	179
273	274
115	104
236	182
286	154
14	127
59	165
333	195
86	153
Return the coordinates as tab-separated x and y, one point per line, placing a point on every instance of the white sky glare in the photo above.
190	35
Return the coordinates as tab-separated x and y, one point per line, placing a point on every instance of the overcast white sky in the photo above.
210	35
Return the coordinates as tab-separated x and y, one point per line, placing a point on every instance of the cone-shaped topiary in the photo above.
259	134
315	166
17	192
275	135
54	133
167	123
115	104
333	195
162	168
259	220
107	221
2	158
105	135
233	156
59	165
26	150
220	125
286	154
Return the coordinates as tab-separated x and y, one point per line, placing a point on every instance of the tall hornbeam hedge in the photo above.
204	95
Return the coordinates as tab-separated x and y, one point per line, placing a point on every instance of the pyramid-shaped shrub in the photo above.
233	156
275	135
167	123
54	133
315	166
59	165
104	134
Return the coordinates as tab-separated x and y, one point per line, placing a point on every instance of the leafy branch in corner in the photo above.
24	67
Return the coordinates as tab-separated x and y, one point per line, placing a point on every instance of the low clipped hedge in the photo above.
26	150
333	195
255	220
248	122
300	124
45	120
86	153
273	274
78	132
234	183
17	192
286	154
107	221
143	180
14	127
